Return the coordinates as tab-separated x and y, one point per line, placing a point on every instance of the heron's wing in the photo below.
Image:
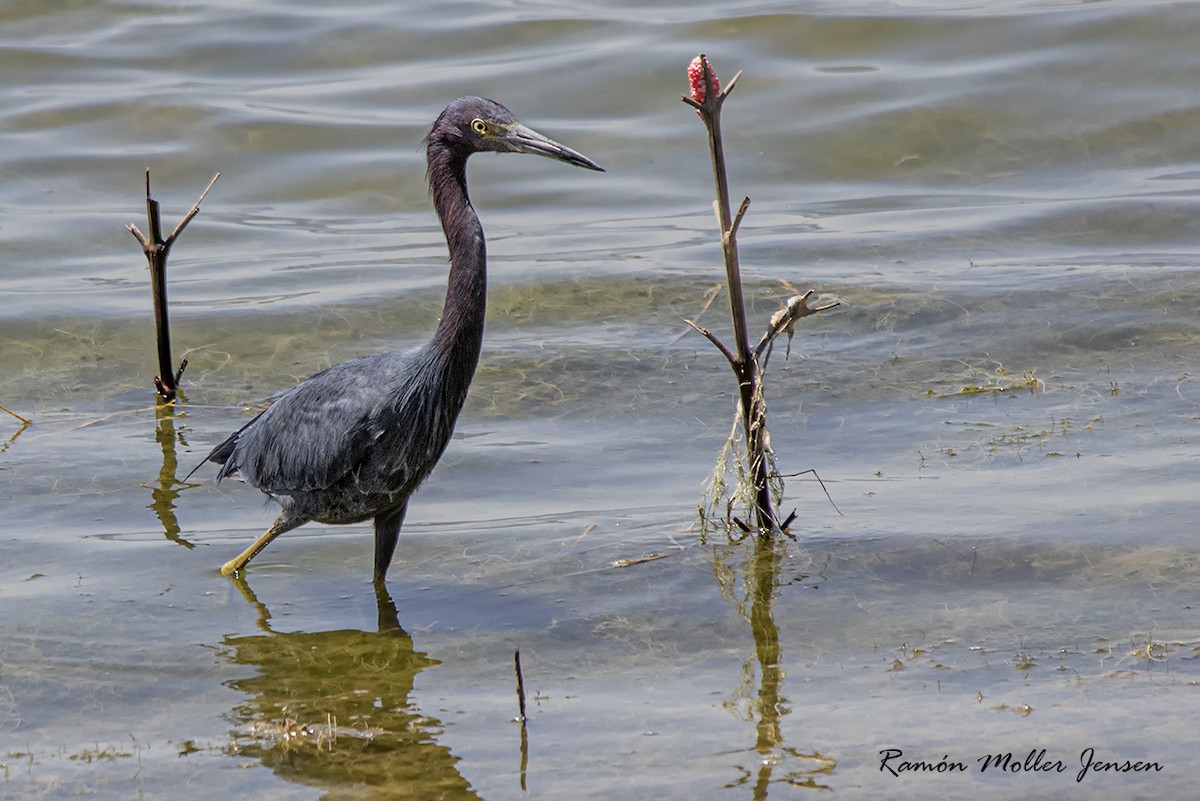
322	429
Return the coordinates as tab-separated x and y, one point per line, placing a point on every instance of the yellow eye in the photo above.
479	126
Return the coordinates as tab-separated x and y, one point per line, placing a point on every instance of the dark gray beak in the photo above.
520	139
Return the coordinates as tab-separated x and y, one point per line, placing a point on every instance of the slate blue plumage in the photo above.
355	441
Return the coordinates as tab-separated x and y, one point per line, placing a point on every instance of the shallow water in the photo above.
1002	195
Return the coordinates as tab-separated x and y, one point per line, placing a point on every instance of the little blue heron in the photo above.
355	441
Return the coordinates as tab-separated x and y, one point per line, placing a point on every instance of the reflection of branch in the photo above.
14	414
164	491
763	577
759	576
521	717
771	705
24	425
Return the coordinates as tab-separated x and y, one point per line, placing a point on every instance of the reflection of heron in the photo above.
355	441
335	710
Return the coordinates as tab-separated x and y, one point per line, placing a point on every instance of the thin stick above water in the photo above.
157	249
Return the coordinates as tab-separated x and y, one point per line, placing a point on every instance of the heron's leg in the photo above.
387	530
281	524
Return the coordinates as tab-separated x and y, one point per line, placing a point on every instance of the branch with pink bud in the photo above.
760	479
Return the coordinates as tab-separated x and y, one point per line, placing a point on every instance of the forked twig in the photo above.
157	249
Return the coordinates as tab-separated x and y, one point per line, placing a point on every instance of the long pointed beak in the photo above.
526	140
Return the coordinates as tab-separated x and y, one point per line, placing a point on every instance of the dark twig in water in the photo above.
823	489
520	686
157	249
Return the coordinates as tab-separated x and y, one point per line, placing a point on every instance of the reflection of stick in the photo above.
524	730
520	686
156	249
14	414
164	492
25	423
524	756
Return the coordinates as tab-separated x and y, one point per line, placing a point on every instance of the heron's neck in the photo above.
459	334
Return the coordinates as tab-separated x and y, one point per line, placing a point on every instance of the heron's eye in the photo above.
479	126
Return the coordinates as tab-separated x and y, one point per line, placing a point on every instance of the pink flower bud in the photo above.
695	73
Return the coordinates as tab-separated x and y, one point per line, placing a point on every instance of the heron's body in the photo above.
355	441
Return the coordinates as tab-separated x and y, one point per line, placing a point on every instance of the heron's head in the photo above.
477	125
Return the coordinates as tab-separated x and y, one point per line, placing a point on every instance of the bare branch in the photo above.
745	366
737	219
785	319
729	86
156	249
187	218
711	337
